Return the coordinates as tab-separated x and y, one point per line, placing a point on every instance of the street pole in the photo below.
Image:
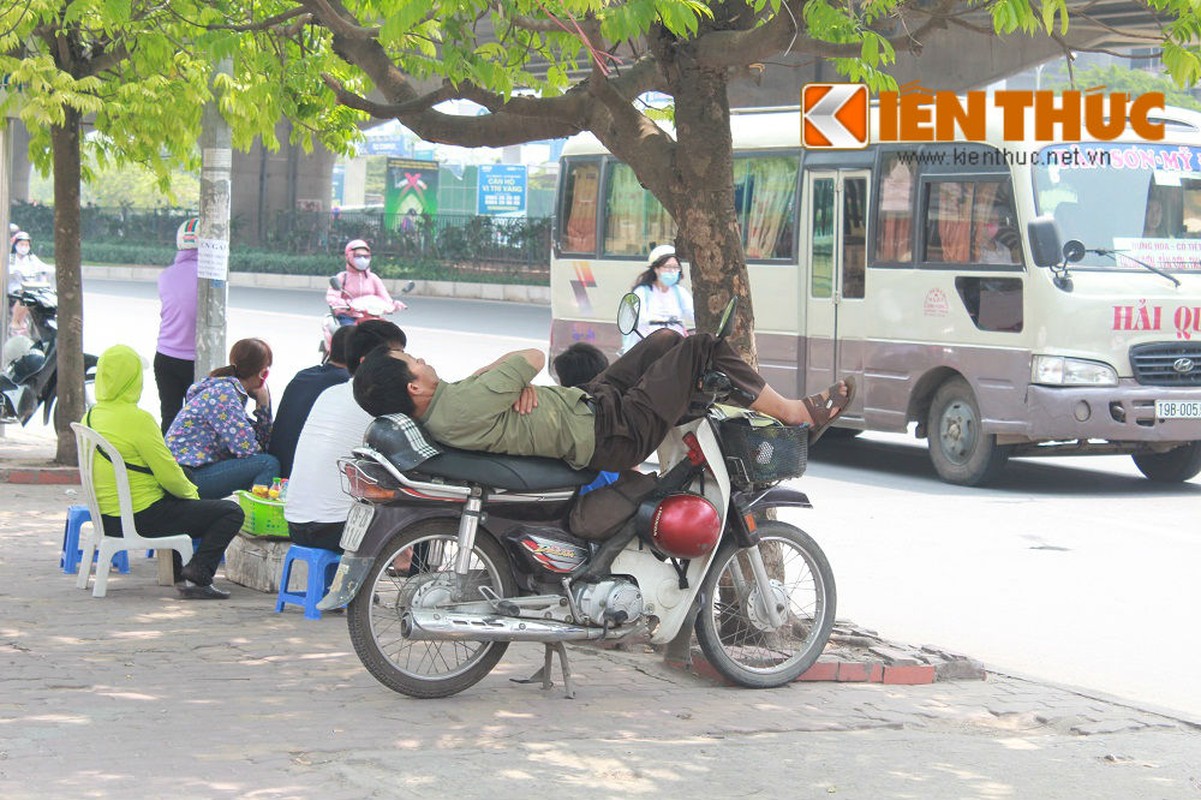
212	274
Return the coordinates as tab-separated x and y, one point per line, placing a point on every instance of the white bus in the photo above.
911	267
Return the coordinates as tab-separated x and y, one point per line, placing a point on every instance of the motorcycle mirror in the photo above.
726	325
335	283
628	309
408	287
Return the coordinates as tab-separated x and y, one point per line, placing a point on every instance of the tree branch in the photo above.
784	31
387	110
339	20
264	25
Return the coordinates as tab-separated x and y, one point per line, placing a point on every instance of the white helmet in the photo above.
187	237
660	253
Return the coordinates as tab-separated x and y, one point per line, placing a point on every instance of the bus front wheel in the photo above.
1174	466
962	453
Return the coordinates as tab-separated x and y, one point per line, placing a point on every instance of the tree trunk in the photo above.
702	201
67	260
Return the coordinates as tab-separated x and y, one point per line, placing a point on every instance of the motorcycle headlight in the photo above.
1062	371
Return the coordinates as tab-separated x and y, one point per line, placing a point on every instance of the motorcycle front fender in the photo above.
778	497
352	571
354	566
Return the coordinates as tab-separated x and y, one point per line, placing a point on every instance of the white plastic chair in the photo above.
87	441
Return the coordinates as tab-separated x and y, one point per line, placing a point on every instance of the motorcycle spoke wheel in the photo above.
733	626
416	568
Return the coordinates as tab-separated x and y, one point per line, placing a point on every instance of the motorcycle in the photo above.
449	562
361	308
30	370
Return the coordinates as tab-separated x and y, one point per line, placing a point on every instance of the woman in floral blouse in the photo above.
219	447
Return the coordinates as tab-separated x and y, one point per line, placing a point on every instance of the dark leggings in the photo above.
216	522
648	390
173	377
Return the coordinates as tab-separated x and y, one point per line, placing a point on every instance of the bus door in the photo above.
835	313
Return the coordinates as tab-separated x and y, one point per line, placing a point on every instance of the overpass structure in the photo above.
267	184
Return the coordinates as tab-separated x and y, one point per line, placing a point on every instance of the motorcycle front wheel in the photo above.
416	568
733	628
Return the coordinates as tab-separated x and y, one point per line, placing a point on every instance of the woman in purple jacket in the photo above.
220	448
175	356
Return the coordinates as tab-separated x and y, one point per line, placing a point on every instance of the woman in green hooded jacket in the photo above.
165	502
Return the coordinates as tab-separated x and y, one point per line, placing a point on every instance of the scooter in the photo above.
361	308
29	377
448	562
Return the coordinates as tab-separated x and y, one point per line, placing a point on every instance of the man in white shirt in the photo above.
316	507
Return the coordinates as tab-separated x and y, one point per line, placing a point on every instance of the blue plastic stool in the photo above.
72	552
321	564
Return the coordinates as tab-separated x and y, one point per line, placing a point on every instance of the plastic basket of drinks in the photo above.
264	516
760	450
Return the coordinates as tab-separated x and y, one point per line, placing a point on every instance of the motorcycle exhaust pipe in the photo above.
429	625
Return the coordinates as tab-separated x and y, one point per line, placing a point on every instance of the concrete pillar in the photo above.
274	184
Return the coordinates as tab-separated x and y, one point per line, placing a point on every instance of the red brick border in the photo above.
831	670
58	476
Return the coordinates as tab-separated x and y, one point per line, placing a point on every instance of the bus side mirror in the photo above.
1044	241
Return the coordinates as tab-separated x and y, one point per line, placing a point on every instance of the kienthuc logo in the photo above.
835	116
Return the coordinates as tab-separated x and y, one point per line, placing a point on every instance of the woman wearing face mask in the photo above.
357	280
665	303
220	447
24	267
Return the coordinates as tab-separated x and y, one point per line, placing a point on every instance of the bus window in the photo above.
894	228
970	222
580	187
635	222
854	236
764	195
822	266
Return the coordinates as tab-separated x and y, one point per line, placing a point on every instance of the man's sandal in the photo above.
828	406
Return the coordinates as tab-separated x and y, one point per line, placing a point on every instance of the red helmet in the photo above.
685	526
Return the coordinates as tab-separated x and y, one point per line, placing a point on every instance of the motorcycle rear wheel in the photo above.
732	627
418	668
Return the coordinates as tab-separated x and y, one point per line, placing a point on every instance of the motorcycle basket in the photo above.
760	450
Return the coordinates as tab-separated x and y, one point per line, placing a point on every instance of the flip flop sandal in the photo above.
825	412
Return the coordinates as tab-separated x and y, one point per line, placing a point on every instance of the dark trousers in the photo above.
646	392
173	376
323	535
216	522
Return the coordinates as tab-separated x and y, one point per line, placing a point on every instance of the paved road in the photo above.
141	695
1072	570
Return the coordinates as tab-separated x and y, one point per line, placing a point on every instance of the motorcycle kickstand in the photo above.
544	672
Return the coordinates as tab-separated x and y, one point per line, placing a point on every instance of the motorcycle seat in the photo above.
406	445
512	473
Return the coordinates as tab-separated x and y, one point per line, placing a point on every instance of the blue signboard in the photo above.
501	189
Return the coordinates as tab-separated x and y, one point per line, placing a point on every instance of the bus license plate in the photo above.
1178	409
356	525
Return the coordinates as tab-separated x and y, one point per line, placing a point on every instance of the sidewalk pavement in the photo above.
140	694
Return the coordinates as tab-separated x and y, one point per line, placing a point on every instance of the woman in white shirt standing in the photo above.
665	303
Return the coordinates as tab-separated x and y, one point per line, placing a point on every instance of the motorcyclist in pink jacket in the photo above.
357	280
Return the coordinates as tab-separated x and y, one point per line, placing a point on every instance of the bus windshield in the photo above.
1142	201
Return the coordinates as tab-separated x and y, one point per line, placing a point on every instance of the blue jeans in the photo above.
223	478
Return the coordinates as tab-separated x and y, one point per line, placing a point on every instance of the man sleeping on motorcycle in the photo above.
610	423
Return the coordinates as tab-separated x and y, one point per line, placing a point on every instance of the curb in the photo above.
504	292
40	476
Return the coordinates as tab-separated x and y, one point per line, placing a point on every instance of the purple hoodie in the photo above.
177	291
